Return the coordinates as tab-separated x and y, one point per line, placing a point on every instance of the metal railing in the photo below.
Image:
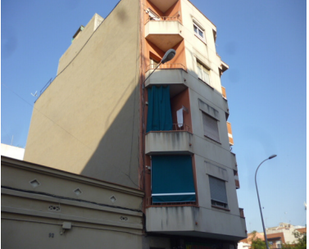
176	127
184	127
44	88
164	18
167	66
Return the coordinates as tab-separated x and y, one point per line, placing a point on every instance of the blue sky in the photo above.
263	42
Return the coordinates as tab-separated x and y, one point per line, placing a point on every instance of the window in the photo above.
172	179
153	63
203	72
210	127
198	31
218	192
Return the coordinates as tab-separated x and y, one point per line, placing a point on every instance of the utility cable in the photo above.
69	198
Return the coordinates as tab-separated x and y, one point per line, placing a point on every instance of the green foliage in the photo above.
257	243
299	243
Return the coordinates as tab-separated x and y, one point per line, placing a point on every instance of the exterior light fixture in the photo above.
169	54
257	192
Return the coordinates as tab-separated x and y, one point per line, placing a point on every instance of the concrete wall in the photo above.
87	121
37	202
79	41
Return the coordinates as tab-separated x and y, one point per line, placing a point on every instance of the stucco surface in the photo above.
86	122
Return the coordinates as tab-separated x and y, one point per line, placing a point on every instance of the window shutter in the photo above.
217	190
210	127
206	76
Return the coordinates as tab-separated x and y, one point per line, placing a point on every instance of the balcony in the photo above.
160	142
241	213
230	134
172	74
233	155
165	33
223	92
236	179
163	5
197	222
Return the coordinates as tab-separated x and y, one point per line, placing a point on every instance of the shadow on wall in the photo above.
116	158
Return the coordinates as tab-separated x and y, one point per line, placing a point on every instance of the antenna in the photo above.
35	94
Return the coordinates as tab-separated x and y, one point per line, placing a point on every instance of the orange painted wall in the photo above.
172	11
180	56
182	99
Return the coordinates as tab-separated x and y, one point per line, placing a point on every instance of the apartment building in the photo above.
115	113
277	236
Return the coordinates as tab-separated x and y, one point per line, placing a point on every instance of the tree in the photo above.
257	243
299	243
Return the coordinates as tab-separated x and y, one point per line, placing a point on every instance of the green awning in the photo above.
172	179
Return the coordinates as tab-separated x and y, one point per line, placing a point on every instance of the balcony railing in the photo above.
167	66
183	127
164	18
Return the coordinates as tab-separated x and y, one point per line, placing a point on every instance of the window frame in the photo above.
207	133
216	202
169	195
197	29
153	63
204	71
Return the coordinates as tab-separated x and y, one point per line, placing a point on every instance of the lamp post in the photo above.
257	192
169	54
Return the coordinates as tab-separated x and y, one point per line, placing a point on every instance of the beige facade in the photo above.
99	118
89	113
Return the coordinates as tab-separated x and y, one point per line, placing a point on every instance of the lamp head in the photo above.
272	156
168	55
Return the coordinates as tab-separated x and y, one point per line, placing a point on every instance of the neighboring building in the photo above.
168	136
283	234
12	151
276	236
47	208
243	245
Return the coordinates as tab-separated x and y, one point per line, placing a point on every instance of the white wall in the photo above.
12	151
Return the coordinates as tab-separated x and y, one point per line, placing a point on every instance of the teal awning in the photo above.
172	179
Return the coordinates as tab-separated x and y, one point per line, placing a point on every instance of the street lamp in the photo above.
169	54
257	192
